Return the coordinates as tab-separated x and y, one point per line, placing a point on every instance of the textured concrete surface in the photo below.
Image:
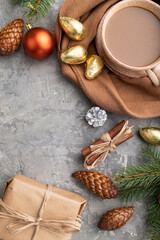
42	130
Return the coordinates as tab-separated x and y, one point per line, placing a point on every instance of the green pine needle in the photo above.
19	1
35	8
143	182
154	232
153	210
140	180
151	152
137	193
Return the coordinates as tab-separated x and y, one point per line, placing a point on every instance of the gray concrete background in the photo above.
42	130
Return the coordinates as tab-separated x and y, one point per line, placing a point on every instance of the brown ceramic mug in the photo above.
152	70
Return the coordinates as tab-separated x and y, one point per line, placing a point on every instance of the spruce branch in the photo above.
142	182
153	210
35	8
20	1
154	231
138	193
142	176
150	152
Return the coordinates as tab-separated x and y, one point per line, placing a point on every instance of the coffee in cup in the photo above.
133	36
129	35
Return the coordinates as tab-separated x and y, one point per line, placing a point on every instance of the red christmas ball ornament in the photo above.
38	42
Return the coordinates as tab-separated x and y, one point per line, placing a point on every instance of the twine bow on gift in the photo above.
18	219
100	151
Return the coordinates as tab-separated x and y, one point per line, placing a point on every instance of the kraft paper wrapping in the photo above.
26	196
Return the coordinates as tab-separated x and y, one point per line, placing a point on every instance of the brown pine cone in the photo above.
116	218
11	37
99	184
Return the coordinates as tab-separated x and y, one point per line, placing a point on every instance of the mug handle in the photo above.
154	75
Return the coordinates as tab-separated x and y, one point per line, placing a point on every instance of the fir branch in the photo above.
150	152
35	8
139	176
153	210
20	1
141	182
138	193
154	231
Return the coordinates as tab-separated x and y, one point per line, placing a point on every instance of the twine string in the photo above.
100	151
60	226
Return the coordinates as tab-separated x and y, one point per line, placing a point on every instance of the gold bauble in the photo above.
151	135
73	28
74	55
94	66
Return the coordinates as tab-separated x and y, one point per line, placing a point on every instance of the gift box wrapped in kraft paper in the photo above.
33	211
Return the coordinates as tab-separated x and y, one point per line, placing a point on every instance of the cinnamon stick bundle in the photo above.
112	134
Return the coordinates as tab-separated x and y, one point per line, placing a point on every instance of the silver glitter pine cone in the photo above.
96	117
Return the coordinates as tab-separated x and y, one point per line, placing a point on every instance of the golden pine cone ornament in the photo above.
116	218
99	184
11	37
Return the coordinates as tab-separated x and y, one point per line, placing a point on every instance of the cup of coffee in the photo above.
128	39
